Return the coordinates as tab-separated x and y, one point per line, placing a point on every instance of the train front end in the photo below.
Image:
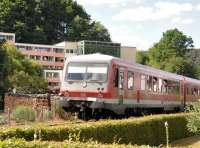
84	84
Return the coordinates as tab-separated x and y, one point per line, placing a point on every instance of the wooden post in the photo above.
9	116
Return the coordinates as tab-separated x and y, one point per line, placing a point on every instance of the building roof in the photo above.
5	33
38	45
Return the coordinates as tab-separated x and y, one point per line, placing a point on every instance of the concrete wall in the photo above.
128	53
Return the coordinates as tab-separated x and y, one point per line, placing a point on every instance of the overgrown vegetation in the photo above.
24	75
23	113
3	120
142	131
193	124
49	21
21	143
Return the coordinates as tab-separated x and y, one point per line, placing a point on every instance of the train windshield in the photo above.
87	72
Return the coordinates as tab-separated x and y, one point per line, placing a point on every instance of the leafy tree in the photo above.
142	57
22	74
170	53
194	56
49	21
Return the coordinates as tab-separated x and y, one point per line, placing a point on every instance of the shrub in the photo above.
141	131
63	114
23	113
21	143
3	120
47	115
193	124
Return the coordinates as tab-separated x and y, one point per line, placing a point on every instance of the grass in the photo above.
193	142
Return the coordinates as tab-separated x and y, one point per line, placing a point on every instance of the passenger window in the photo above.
164	86
142	82
121	80
149	83
130	80
160	85
155	84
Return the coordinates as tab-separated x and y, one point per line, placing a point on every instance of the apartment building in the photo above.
8	37
88	47
51	57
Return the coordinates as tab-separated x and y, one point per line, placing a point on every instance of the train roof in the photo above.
97	57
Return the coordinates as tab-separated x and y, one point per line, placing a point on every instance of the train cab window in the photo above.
121	80
142	82
130	80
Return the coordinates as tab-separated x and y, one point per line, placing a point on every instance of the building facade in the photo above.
52	57
8	37
128	53
108	48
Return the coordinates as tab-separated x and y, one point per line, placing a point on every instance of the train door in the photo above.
121	85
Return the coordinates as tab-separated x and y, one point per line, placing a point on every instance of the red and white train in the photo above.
95	85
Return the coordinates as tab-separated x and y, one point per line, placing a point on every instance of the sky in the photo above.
140	23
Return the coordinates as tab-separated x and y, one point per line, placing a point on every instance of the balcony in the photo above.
43	53
51	63
53	79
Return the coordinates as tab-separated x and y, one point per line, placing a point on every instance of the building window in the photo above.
130	80
38	58
32	57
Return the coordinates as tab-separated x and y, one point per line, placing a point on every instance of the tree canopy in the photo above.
20	73
49	21
169	53
142	57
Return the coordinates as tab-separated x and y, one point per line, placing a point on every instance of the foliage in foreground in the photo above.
193	124
23	113
141	131
21	143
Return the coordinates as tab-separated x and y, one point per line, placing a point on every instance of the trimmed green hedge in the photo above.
21	143
141	131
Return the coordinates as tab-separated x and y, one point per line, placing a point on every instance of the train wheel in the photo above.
96	115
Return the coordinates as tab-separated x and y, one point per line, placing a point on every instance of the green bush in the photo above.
63	114
193	124
23	113
3	120
21	143
141	131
